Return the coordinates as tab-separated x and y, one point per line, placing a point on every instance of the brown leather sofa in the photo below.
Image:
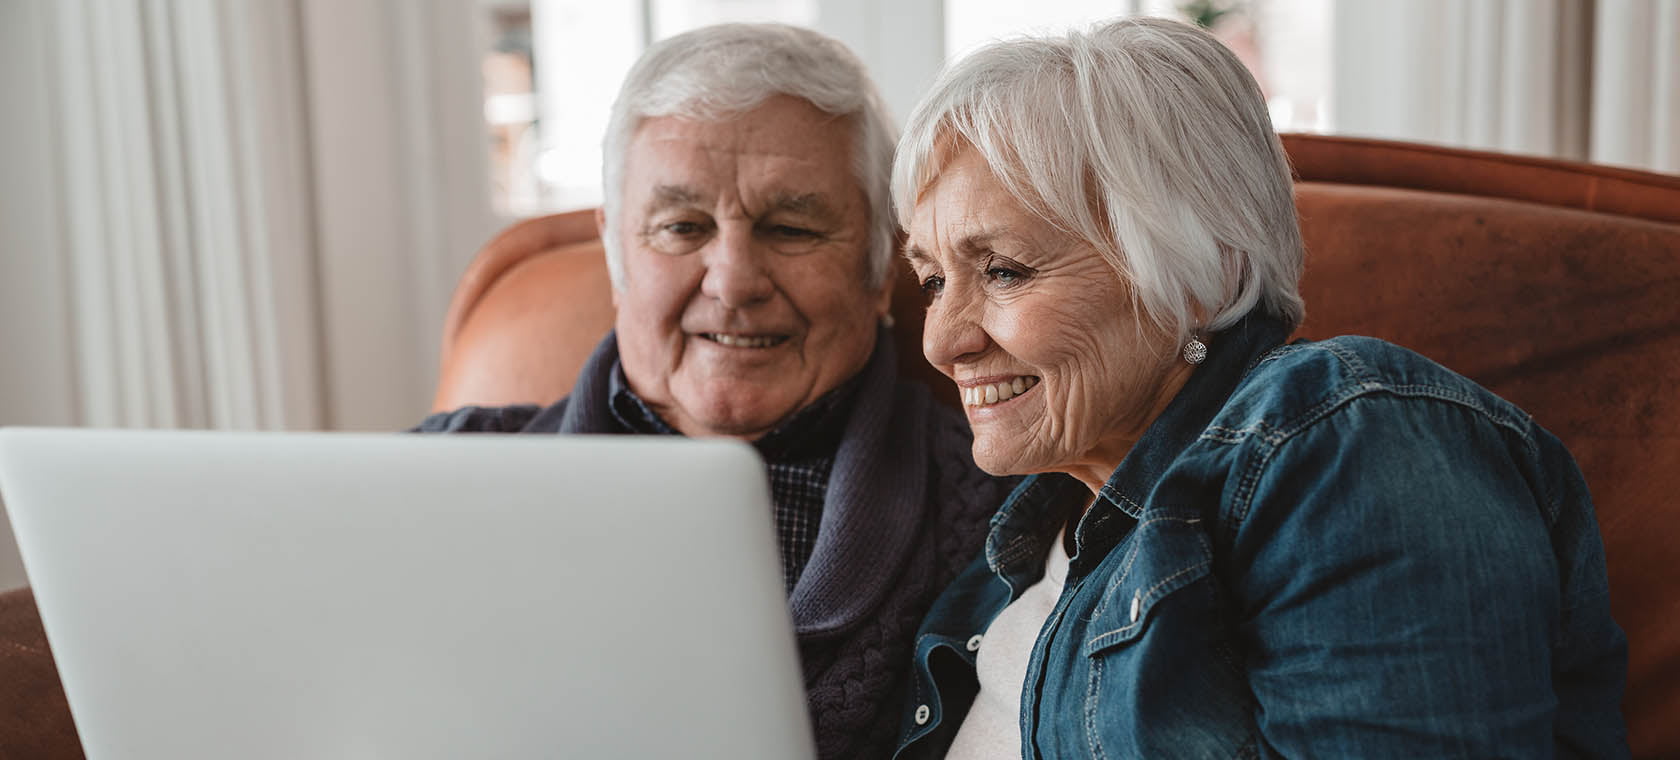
1555	284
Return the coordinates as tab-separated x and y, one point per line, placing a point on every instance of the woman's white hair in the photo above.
1144	137
716	72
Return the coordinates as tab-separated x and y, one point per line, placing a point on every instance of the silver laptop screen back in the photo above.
335	595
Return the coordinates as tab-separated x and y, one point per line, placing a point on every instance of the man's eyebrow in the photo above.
667	196
814	204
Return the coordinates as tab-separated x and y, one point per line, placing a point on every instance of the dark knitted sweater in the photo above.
905	510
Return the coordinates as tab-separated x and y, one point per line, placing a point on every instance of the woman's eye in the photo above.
932	285
1004	275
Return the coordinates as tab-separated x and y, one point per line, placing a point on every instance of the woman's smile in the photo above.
988	393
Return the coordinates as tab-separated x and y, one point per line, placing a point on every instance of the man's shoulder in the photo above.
515	418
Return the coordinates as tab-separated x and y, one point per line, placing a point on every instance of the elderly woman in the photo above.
1231	547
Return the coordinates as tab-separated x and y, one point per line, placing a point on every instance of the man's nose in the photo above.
737	268
953	331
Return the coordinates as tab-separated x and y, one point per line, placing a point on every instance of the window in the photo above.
1285	43
550	75
553	66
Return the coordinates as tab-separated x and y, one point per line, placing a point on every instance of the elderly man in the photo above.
749	234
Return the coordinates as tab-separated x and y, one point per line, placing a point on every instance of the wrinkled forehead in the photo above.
966	211
997	175
950	155
785	152
956	183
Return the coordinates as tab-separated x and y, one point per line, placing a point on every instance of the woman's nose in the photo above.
737	269
952	331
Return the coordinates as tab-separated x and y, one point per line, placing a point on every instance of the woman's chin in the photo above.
1000	459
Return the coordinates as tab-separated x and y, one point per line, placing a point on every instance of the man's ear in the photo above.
601	232
896	269
883	301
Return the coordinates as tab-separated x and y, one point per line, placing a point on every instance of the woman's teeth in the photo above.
744	341
986	395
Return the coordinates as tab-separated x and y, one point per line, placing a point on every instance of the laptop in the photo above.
330	595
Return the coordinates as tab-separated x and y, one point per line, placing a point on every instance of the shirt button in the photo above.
922	713
1137	602
974	642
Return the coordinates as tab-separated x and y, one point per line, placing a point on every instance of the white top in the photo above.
992	729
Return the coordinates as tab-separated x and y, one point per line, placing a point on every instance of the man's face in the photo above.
746	241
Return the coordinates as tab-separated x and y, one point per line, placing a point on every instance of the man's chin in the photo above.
739	416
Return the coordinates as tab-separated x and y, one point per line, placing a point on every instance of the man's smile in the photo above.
745	340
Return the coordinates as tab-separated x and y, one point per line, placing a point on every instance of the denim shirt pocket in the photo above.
1165	553
1156	678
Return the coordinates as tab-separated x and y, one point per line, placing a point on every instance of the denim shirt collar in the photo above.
1023	528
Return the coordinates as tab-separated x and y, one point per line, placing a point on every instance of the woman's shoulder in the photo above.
1378	414
1304	383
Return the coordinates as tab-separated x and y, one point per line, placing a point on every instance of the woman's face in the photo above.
1056	371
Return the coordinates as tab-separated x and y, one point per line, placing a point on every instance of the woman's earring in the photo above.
887	321
1195	351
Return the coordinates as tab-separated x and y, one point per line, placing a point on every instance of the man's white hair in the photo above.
1144	137
717	72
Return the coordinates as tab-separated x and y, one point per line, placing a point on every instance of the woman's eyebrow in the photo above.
967	247
976	243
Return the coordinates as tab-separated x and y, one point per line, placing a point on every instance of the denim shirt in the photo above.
1332	549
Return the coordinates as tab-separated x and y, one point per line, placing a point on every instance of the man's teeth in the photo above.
745	341
986	395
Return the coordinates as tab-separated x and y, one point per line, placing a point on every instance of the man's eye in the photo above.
790	231
682	229
932	285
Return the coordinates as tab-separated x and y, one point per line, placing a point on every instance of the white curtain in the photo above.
234	215
185	213
1592	80
400	162
1506	75
1636	84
